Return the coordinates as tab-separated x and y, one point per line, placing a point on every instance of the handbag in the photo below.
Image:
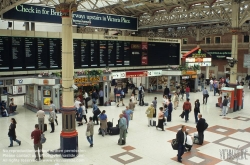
51	119
88	133
147	112
175	144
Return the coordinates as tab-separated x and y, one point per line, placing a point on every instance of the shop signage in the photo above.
86	80
136	74
44	81
118	75
246	62
32	13
24	81
220	54
189	72
163	40
154	73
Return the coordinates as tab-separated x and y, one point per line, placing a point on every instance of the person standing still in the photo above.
101	94
187	92
176	101
36	135
205	95
187	108
155	106
224	106
90	129
181	138
52	105
40	115
170	109
200	128
115	92
150	112
211	84
131	106
123	129
52	117
196	110
160	119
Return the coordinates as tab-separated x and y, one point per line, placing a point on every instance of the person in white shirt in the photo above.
189	142
211	84
84	112
86	98
40	115
77	102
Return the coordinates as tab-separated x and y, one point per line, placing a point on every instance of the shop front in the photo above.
190	78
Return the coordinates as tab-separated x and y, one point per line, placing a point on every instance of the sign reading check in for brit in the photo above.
34	13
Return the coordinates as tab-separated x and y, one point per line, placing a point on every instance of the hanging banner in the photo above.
32	13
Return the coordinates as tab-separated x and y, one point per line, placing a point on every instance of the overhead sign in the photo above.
34	13
220	54
38	81
118	75
24	81
154	73
136	74
246	62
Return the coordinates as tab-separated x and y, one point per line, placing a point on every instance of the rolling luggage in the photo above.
146	104
152	123
110	125
182	114
196	138
45	127
114	131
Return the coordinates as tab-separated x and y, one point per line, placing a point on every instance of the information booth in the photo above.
229	92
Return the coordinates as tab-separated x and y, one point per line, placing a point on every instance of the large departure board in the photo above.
30	53
136	53
4	53
126	53
119	53
94	53
103	53
77	53
111	53
17	53
55	53
42	53
85	53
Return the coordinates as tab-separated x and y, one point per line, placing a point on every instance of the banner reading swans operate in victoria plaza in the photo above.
34	13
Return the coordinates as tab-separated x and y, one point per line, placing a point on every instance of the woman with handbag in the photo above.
80	113
150	113
12	133
161	119
52	117
90	131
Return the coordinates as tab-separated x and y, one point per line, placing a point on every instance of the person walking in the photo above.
176	100
115	92
96	112
166	92
36	136
86	99
181	138
211	84
101	95
80	113
119	97
131	106
12	132
187	108
41	115
201	128
90	131
123	128
182	91
187	92
128	112
103	122
170	109
224	106
150	112
84	113
155	106
52	105
196	110
52	117
215	87
205	95
161	119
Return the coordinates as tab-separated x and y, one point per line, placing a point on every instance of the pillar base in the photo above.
69	146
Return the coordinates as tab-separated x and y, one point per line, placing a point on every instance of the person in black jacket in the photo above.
196	110
181	138
166	92
200	128
12	133
170	109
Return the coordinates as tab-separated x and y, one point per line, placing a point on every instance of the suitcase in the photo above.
45	127
174	144
114	131
196	138
152	123
123	141
110	125
182	114
146	104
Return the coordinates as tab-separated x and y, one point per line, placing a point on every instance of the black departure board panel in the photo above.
94	53
17	53
111	53
77	53
55	53
42	53
103	53
4	53
30	53
126	53
119	53
85	53
136	53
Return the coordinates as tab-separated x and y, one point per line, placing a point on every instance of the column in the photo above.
27	26
198	38
235	29
69	135
33	27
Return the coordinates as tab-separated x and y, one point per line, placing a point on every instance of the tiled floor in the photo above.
145	145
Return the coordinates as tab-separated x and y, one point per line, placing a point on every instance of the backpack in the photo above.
187	106
166	113
205	125
42	139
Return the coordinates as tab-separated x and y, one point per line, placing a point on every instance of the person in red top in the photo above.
187	108
187	92
36	135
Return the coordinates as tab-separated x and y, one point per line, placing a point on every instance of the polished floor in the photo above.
226	139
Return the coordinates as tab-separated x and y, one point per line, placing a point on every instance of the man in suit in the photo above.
166	92
181	138
200	128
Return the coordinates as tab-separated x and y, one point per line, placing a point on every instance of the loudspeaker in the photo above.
9	24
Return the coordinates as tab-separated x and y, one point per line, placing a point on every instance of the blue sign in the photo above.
33	13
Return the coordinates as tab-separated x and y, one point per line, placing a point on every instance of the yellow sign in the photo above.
86	80
196	55
189	72
194	76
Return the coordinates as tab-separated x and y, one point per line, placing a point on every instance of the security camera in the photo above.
230	58
74	87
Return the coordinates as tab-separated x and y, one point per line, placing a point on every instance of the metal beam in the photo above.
7	5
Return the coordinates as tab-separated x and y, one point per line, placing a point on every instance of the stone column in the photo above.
27	26
33	27
69	135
